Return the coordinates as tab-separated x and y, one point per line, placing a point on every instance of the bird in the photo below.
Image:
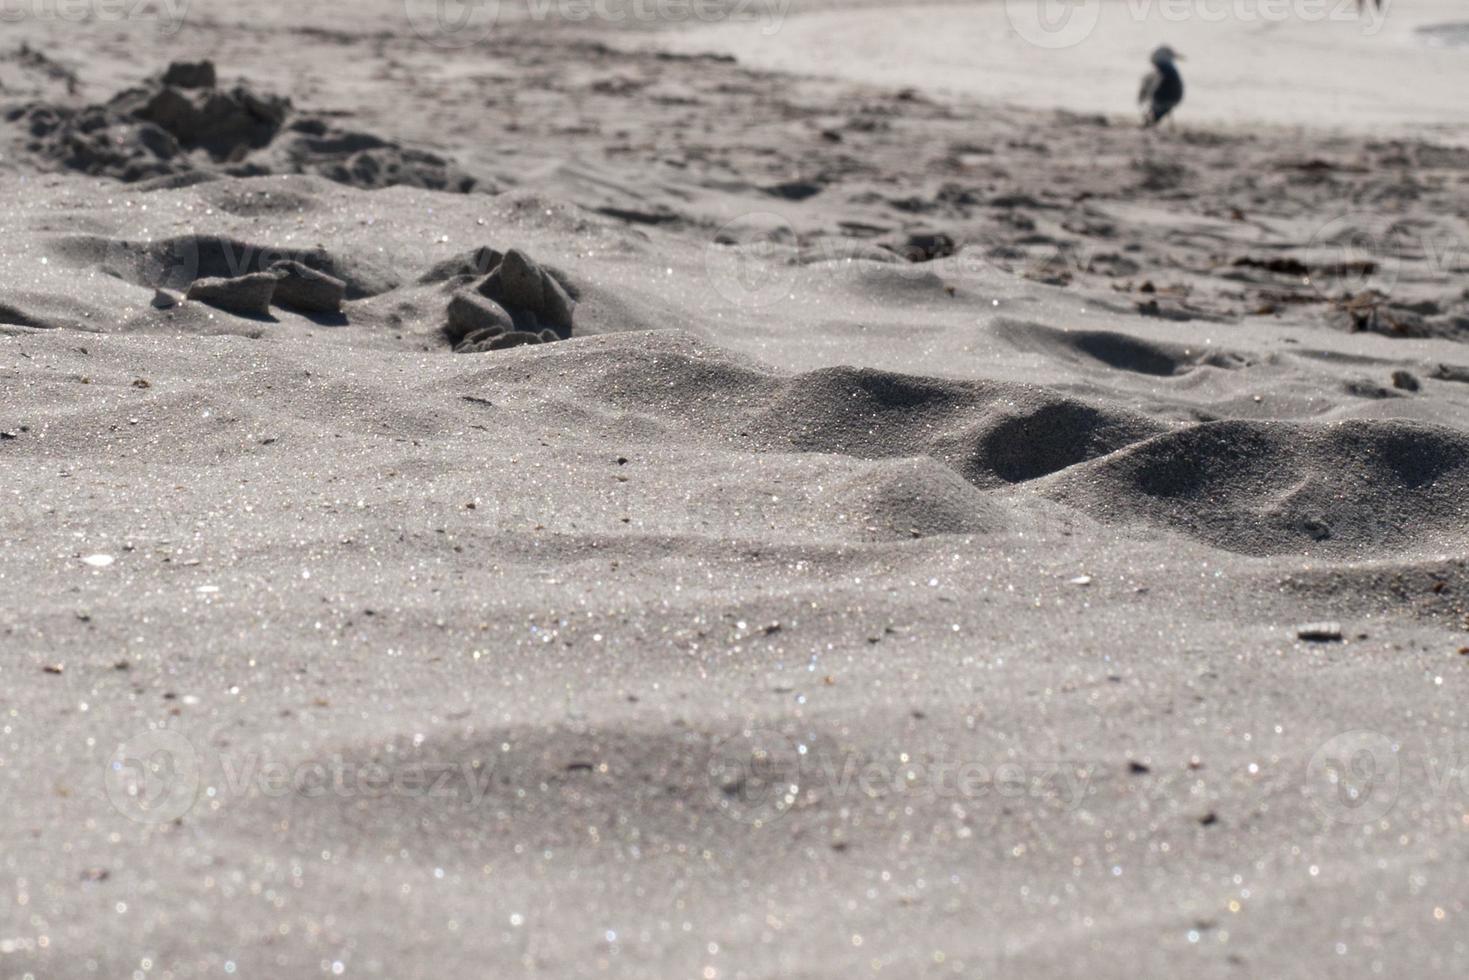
1162	88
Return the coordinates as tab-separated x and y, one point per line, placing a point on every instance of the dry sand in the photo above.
1085	598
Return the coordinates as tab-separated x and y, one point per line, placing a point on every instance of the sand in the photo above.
938	536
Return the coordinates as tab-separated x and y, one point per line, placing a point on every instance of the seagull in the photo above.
1162	87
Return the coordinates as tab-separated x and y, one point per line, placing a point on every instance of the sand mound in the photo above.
1355	488
917	498
180	123
228	228
991	434
1045	433
1114	350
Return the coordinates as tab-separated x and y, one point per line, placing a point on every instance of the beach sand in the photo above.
953	537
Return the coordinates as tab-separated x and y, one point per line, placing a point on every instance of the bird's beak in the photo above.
1177	56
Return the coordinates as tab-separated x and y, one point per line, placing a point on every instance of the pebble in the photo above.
533	297
471	314
250	295
1320	632
301	287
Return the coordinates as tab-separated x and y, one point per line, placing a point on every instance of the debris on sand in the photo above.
1320	632
532	297
249	295
300	287
190	74
925	246
226	124
1284	266
516	303
183	122
473	315
472	264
